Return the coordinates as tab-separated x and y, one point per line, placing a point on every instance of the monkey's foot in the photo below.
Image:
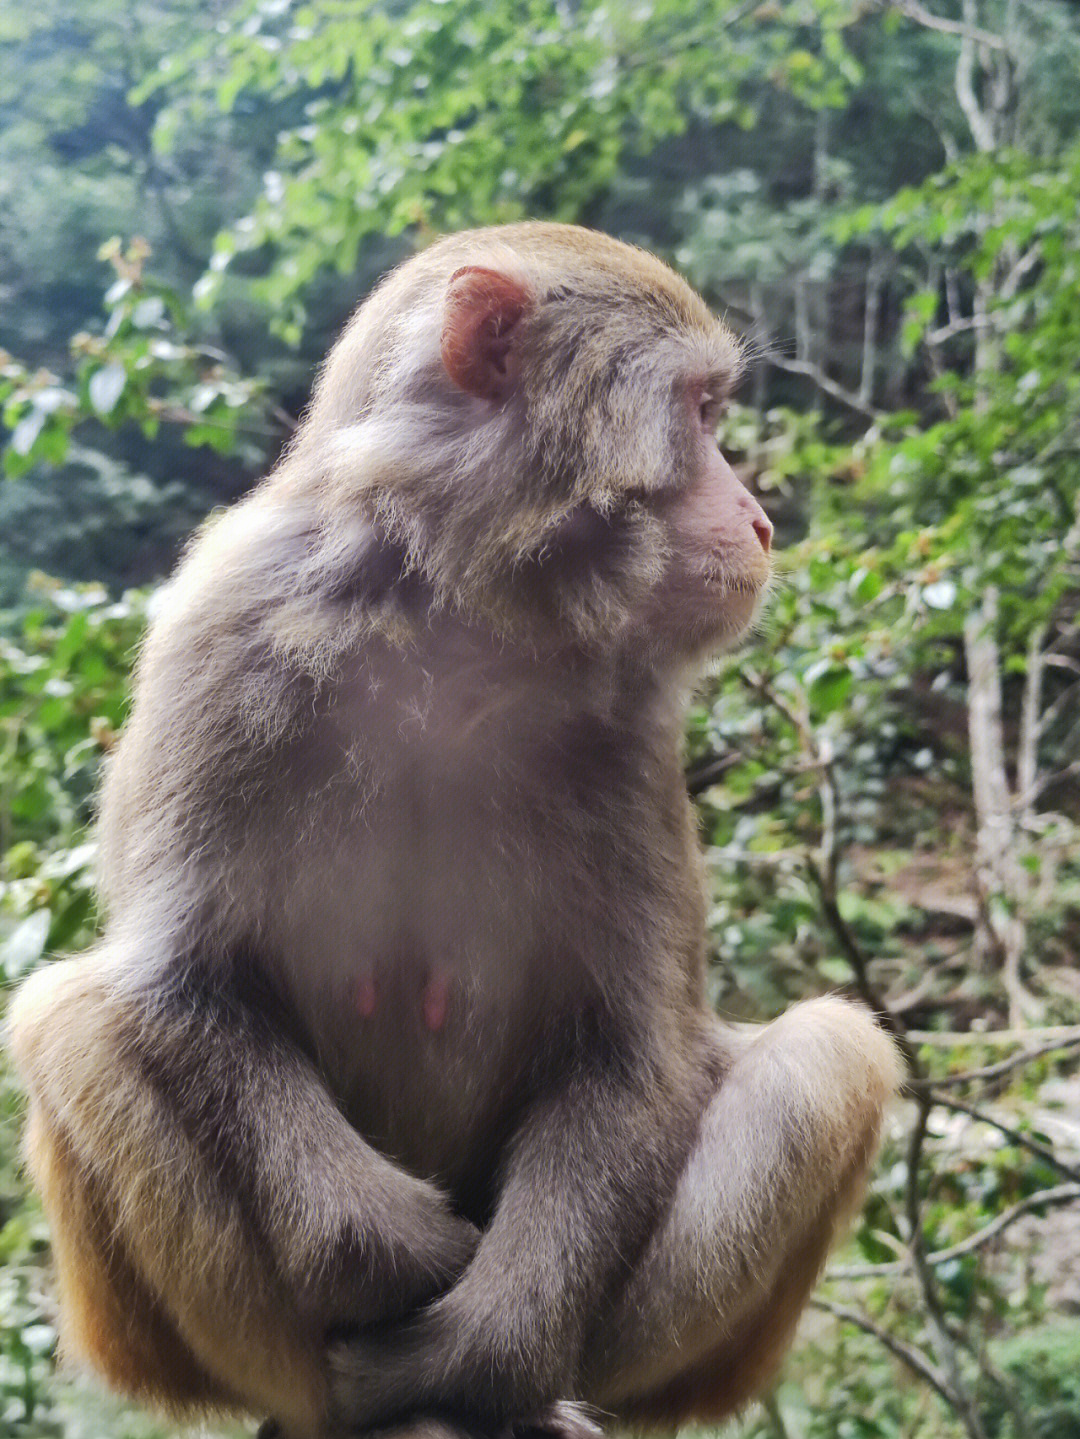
425	1428
563	1420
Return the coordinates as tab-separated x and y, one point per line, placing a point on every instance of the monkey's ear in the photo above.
483	308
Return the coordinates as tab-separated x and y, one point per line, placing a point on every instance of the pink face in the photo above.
718	542
715	536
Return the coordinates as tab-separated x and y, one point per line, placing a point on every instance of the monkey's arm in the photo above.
202	1183
583	1181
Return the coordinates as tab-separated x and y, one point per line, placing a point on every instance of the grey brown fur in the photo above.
391	1091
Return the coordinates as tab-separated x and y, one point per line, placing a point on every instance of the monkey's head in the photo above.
526	416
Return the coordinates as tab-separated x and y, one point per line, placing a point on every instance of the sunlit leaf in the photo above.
106	386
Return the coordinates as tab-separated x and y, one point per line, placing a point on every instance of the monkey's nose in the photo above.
764	531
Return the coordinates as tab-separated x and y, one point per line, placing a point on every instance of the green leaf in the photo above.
26	432
866	585
828	686
25	945
106	386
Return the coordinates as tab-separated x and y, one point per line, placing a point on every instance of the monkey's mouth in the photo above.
725	581
733	601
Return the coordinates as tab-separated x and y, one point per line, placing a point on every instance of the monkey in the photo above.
391	1094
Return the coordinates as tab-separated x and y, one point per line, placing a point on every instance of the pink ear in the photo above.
482	309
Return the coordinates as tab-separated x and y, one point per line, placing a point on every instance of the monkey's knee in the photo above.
710	1345
778	1166
823	1075
162	1288
40	1006
109	1318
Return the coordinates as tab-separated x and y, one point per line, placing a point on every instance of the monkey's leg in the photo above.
212	1212
779	1165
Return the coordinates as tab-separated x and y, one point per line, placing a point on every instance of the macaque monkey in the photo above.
391	1094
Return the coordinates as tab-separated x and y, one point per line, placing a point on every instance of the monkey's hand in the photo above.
439	1246
368	1378
355	1386
426	1249
378	1379
506	1341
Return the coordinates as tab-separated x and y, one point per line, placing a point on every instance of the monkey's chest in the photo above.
478	884
425	974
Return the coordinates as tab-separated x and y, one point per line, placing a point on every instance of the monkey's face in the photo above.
615	377
716	553
679	564
538	437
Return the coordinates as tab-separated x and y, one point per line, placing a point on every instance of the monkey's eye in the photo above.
706	398
710	410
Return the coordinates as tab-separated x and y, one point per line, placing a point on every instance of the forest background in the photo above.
885	199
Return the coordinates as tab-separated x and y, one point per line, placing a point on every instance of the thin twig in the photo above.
1015	1136
798	722
914	1358
991	1038
1047	781
924	1272
975	1347
824	873
860	969
962	326
1065	700
1006	1066
912	10
1060	1194
1043	1199
706	772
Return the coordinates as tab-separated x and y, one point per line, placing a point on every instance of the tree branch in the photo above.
919	15
1043	1199
915	1359
1006	1066
979	123
991	1038
829	387
1015	1136
706	772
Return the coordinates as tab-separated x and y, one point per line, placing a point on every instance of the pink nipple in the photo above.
435	1002
365	997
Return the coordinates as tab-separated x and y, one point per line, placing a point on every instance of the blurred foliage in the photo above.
195	196
1045	1367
